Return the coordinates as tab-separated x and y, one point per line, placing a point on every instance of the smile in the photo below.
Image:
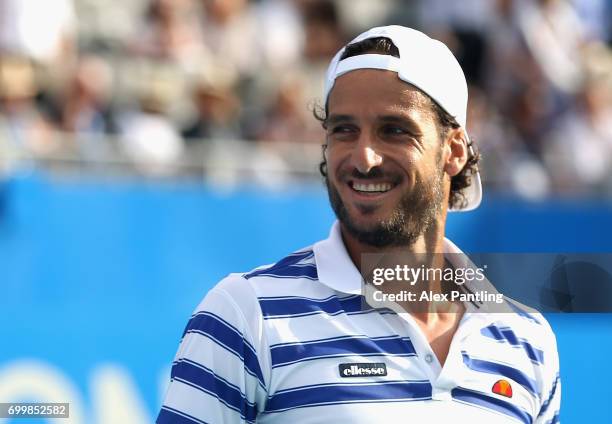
371	191
372	188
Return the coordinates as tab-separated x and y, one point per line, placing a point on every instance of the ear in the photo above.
456	147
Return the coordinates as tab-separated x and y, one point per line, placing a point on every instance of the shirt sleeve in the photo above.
551	401
217	376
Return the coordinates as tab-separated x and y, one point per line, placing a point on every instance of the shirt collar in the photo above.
335	268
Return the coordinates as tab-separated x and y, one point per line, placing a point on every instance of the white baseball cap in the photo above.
428	65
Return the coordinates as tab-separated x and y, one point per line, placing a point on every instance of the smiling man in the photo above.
295	341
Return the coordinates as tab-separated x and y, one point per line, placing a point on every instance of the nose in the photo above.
365	155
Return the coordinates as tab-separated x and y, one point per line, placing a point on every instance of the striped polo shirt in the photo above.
293	342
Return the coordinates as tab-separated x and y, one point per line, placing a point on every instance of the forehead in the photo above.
375	89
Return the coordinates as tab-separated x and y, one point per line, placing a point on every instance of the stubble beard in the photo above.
414	214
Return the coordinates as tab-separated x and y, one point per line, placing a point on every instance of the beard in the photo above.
411	217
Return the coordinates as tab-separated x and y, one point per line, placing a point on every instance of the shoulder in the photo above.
527	329
540	344
299	264
532	321
288	276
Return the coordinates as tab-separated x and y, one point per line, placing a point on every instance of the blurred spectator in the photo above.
596	17
216	104
230	34
43	31
467	15
555	37
280	34
287	118
509	165
324	34
508	62
22	126
358	15
579	150
148	137
463	26
107	25
240	69
171	32
85	108
531	110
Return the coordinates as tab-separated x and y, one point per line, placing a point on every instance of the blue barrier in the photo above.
98	279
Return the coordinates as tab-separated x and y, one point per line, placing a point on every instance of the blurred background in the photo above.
150	147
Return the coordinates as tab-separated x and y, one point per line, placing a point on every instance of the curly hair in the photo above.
445	121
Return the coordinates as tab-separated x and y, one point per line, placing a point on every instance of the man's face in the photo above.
384	158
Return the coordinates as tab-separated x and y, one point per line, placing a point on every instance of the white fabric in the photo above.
297	317
35	28
370	61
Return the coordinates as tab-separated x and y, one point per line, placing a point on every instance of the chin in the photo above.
367	219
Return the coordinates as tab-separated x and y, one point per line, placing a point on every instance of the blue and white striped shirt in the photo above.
292	342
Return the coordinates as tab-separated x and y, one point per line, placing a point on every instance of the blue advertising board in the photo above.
98	279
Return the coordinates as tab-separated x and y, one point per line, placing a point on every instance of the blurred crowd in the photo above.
154	81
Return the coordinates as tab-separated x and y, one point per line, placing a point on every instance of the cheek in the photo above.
409	163
410	160
337	162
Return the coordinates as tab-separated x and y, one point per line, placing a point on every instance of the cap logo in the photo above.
502	388
378	369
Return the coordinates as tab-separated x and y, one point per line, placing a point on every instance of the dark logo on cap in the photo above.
377	369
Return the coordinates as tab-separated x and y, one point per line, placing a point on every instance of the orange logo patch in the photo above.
503	388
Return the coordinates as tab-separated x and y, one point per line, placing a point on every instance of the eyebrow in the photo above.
334	119
404	120
393	119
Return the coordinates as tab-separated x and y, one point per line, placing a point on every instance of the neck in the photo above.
431	241
426	252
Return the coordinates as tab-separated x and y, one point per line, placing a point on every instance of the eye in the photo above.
343	132
394	130
341	129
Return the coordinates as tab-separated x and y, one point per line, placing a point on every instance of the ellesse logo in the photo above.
363	369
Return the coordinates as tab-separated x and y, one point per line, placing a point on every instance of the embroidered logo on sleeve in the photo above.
503	388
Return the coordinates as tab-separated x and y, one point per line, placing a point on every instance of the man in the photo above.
294	342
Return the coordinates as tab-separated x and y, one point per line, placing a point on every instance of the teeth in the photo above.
372	187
